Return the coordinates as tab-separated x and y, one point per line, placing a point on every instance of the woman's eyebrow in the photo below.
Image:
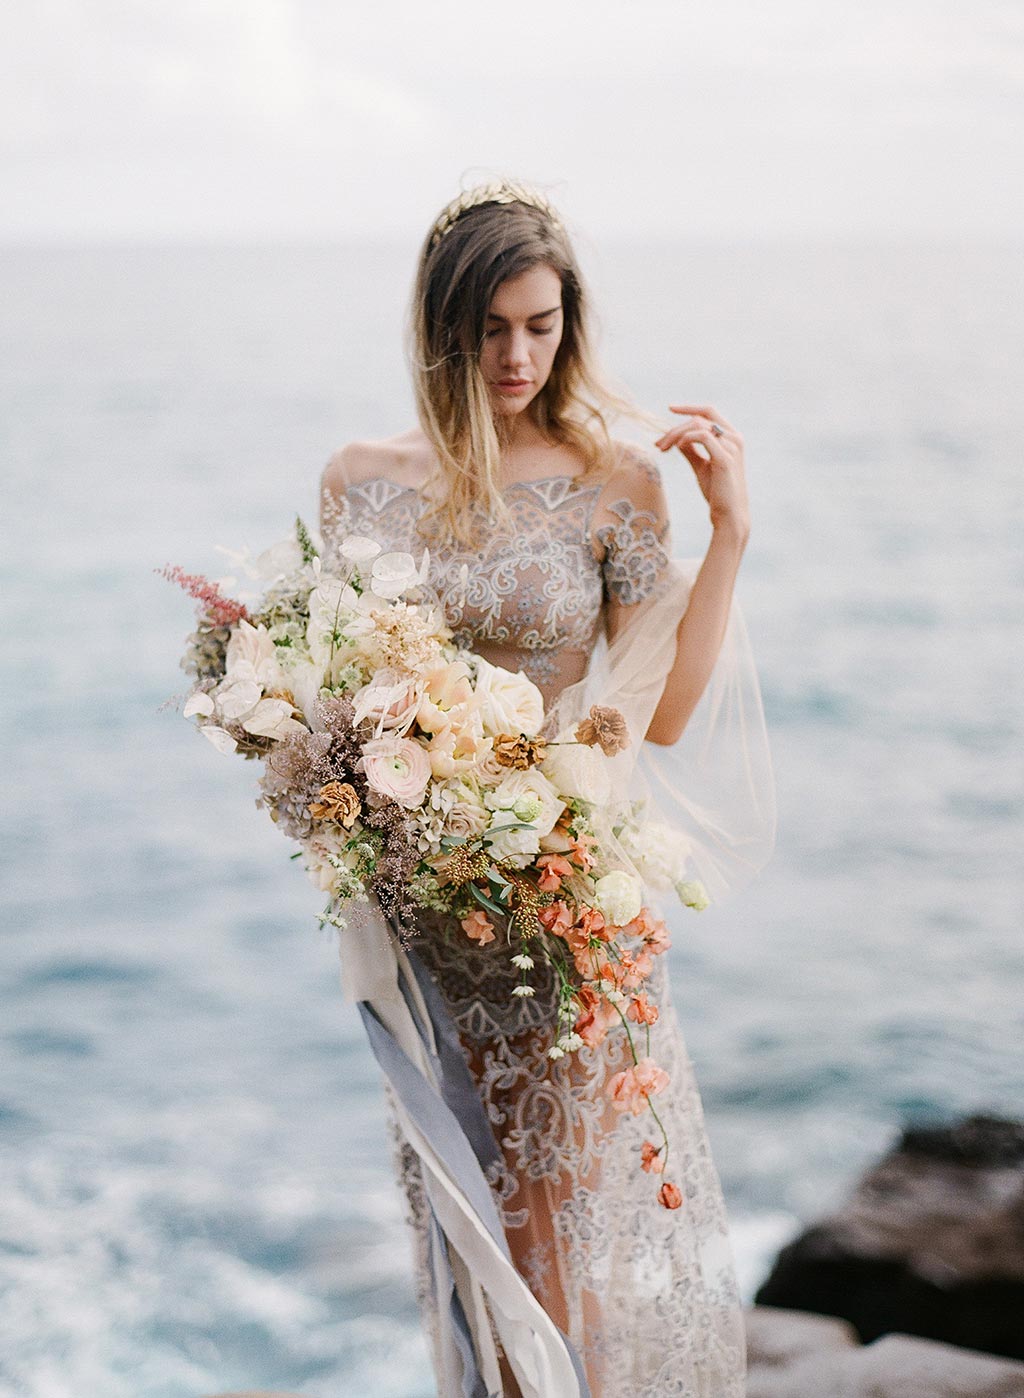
536	315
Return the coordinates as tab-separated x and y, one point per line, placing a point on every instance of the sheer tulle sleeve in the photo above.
711	795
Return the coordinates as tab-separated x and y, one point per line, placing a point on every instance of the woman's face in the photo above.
523	332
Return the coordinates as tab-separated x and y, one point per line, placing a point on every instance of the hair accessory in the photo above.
496	192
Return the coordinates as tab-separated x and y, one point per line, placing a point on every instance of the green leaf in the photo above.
487	902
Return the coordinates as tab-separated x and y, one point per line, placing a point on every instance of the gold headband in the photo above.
497	192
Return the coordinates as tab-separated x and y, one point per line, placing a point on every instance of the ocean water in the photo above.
196	1189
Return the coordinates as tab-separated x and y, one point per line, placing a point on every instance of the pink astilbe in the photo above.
222	611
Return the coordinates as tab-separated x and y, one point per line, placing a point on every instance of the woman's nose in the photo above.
517	349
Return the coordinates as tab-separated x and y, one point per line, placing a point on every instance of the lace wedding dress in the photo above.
647	1296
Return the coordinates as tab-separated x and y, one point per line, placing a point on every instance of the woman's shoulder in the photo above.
400	459
634	475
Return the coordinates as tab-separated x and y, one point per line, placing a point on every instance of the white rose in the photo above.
619	896
523	796
510	703
578	771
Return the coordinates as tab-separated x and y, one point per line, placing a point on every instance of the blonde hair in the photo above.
479	241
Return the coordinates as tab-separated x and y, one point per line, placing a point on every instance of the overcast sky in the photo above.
263	118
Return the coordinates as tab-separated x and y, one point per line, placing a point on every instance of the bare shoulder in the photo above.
634	475
634	465
396	458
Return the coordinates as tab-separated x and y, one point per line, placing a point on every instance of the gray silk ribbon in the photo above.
452	1119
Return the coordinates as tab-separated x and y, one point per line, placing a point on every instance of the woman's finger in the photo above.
702	410
706	413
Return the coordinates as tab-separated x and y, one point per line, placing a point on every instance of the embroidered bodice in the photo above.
534	594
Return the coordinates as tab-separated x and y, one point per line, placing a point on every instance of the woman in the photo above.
549	541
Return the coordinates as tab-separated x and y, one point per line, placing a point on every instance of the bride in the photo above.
569	1272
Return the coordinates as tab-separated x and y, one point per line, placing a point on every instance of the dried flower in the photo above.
606	727
518	751
669	1196
337	801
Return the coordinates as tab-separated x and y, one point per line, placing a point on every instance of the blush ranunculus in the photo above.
397	767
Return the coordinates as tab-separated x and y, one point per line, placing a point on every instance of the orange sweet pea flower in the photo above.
479	928
650	1158
630	1090
641	1012
554	870
556	918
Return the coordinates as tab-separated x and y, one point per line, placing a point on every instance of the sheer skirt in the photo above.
647	1295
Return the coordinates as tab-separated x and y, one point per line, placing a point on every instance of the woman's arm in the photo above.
720	475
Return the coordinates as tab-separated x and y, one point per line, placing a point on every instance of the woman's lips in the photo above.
513	385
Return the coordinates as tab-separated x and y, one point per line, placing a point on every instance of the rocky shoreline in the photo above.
913	1288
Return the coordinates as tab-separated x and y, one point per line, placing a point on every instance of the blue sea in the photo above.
196	1187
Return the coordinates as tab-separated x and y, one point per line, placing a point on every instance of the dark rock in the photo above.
931	1243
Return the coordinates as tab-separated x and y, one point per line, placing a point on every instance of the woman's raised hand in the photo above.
720	473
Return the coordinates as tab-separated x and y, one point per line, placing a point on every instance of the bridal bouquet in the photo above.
412	770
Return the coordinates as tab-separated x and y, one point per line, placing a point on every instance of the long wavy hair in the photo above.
456	278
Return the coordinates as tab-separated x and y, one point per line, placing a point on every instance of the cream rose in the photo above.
397	767
509	703
578	771
619	896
